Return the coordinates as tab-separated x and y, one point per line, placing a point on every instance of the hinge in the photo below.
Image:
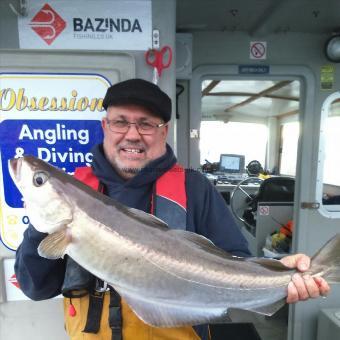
155	39
23	8
310	205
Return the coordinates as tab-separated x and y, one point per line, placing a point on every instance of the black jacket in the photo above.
207	214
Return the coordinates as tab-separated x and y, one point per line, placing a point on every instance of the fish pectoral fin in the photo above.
271	309
53	246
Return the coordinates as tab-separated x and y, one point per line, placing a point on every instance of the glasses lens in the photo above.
145	127
122	126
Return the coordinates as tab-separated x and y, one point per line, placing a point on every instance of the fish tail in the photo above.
326	262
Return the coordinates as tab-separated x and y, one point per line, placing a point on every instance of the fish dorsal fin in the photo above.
54	246
271	264
193	237
148	219
200	241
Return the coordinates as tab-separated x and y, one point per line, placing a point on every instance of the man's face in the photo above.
129	152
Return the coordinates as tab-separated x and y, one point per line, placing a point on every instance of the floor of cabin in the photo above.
243	324
268	328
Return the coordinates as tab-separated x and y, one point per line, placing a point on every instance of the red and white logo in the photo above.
48	24
14	281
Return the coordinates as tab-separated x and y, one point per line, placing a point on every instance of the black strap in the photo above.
115	315
94	312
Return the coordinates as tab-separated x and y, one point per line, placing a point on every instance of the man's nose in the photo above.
132	132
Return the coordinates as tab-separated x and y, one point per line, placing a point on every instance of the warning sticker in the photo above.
264	210
327	77
13	291
12	287
258	50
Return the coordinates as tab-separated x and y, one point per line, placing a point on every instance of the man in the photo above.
134	166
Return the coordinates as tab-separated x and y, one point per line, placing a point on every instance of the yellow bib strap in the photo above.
133	327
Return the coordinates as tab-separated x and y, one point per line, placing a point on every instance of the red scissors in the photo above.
159	60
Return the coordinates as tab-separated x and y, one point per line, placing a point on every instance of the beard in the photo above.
130	171
124	167
126	171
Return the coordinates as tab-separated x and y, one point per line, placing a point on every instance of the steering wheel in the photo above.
247	201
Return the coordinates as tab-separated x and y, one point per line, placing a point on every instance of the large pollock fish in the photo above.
168	277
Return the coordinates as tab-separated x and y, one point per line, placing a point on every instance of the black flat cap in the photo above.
139	92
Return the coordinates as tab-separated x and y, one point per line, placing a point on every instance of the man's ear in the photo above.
166	130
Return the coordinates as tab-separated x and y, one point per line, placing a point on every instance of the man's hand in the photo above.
303	287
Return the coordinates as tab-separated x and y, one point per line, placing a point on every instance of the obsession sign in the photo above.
55	117
11	98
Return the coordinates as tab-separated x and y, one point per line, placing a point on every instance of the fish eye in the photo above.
40	178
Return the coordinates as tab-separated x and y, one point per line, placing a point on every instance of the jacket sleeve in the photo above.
209	215
39	278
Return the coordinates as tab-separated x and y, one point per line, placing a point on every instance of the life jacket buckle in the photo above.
101	286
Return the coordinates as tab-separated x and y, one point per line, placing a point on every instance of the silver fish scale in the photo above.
135	267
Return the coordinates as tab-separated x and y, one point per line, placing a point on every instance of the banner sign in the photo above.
87	25
56	117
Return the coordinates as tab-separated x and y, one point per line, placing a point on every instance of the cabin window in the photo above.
330	153
248	139
245	117
288	148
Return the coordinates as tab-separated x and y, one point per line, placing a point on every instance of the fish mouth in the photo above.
14	168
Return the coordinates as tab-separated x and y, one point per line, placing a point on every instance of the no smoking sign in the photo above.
258	50
264	210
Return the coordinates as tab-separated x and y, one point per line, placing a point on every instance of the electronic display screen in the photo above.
232	163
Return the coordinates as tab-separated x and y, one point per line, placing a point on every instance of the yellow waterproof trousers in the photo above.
133	327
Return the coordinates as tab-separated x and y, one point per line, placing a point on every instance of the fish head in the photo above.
46	204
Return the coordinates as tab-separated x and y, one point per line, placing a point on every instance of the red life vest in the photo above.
169	203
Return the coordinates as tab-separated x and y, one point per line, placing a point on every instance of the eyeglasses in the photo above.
143	128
